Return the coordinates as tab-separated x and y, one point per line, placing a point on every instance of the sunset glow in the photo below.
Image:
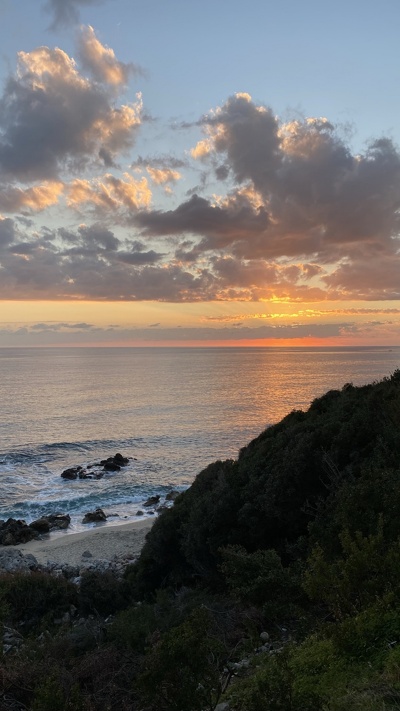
143	209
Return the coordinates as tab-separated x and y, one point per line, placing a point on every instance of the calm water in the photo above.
172	410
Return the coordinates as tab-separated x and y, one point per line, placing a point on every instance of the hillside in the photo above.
273	584
289	483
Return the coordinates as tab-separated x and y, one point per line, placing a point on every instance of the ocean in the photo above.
172	411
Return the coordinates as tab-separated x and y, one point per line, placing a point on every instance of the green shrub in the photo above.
182	670
102	593
260	579
368	568
30	597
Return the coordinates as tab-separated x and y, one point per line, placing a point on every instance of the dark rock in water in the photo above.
139	513
171	496
119	459
112	467
71	473
87	554
58	520
15	531
111	464
41	525
152	501
94	516
91	475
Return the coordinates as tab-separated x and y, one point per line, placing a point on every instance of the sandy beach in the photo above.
103	543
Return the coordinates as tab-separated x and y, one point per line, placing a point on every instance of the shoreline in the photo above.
103	543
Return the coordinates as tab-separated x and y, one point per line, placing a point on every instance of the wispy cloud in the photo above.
66	12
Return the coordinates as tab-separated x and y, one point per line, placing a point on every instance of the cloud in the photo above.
320	198
161	176
64	333
376	279
51	326
110	194
66	12
101	61
295	194
301	313
34	199
7	231
220	225
165	161
53	118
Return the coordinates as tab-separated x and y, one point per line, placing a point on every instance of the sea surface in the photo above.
171	410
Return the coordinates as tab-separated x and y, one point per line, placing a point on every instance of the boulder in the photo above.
119	459
13	561
41	525
44	524
111	463
112	467
15	531
152	501
94	516
91	475
171	496
71	473
58	520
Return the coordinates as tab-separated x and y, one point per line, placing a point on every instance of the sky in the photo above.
199	173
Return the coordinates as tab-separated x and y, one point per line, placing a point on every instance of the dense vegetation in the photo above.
298	539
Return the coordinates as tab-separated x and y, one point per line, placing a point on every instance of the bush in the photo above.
102	593
260	579
368	568
183	669
30	597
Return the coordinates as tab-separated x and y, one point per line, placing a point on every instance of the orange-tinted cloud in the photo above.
35	198
101	61
110	194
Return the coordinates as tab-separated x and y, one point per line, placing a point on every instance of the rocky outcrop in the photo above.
52	522
152	501
97	469
71	473
95	516
13	561
14	531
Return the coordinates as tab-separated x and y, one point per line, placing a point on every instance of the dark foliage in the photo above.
298	538
289	477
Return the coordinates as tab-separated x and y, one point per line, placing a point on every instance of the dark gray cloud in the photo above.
220	226
66	12
7	231
296	192
150	257
161	161
52	118
373	279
